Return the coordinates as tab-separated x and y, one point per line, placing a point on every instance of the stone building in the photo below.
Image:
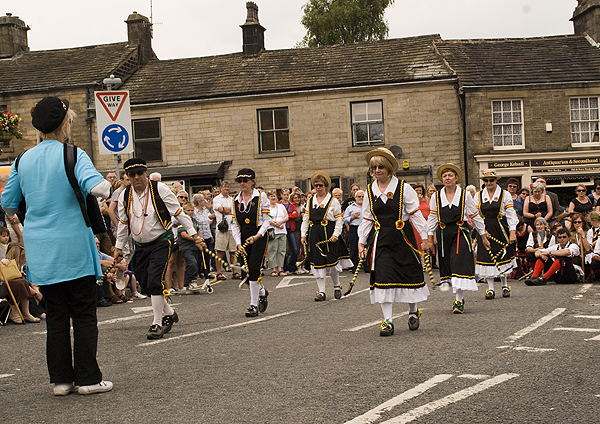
288	113
27	76
531	105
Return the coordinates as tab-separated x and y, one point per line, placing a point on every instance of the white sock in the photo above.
412	309
167	308
386	308
321	284
158	301
490	281
335	276
254	292
459	295
504	279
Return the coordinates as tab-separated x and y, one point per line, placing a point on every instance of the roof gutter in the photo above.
285	93
537	84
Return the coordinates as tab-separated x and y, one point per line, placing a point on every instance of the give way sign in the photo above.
113	117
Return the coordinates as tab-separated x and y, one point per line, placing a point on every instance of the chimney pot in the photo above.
13	36
253	34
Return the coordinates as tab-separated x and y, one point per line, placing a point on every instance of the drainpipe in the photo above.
89	120
462	107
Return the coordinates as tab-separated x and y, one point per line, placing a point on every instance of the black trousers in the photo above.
150	265
353	245
72	300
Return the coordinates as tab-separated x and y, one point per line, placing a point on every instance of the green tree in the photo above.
330	22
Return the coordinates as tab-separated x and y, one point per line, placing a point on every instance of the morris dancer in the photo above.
451	208
496	208
145	210
249	226
395	264
322	226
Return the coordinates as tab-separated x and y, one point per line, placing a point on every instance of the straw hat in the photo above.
488	173
323	175
386	153
451	166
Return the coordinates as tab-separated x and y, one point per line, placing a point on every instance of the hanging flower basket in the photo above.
9	126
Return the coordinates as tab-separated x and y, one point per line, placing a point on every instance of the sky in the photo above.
193	28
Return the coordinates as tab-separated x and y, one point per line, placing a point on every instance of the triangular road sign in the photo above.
112	102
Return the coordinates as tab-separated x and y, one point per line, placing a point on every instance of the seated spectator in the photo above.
592	237
20	288
556	262
540	238
582	203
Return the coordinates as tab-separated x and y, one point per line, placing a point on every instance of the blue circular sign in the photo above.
115	138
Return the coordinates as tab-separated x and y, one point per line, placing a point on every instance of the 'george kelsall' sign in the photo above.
543	162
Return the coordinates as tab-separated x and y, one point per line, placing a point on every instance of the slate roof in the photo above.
389	61
46	69
560	59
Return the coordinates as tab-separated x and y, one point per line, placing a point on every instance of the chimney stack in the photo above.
586	18
253	34
139	34
13	36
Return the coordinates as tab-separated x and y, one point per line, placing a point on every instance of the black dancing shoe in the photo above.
539	281
252	311
413	320
387	329
263	302
320	297
155	332
337	293
506	291
489	294
168	321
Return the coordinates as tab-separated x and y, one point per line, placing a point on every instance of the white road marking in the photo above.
374	323
286	281
583	330
533	349
503	347
445	401
6	375
375	413
139	309
596	338
538	323
474	376
111	321
211	330
581	291
588	316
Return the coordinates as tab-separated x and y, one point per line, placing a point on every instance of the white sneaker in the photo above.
181	291
138	295
64	389
193	286
103	386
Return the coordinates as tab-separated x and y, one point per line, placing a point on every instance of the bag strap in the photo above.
70	161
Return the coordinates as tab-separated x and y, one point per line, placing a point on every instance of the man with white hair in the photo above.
353	218
155	176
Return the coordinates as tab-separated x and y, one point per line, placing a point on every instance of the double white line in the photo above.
375	414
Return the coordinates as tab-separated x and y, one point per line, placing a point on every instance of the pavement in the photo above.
530	358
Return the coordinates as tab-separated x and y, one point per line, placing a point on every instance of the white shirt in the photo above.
507	205
531	241
226	202
410	209
145	229
333	214
471	210
574	249
278	213
263	217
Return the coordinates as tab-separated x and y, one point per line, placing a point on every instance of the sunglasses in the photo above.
562	237
580	190
319	185
489	180
133	174
182	197
374	167
512	185
577	222
243	180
